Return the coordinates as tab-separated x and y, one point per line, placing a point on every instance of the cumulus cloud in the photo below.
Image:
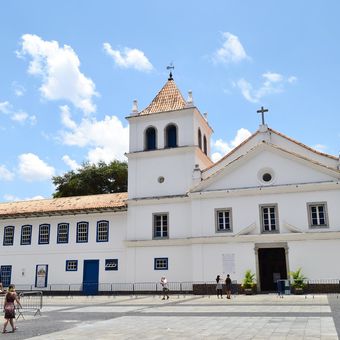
13	198
5	107
5	174
231	51
271	83
17	116
70	162
107	139
320	147
18	89
129	58
59	68
221	147
31	168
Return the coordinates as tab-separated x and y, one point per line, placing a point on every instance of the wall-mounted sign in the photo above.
111	264
41	275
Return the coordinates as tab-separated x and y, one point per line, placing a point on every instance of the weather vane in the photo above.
170	67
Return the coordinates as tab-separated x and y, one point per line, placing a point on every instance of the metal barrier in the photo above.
31	301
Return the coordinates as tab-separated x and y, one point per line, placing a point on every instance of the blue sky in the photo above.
70	71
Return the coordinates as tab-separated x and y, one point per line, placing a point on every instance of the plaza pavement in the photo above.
183	317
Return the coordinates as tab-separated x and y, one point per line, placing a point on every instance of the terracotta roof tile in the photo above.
169	98
63	205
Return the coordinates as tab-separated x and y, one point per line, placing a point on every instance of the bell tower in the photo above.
169	140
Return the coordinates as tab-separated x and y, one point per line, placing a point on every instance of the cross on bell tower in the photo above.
262	111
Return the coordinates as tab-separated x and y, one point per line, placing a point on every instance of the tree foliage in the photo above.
92	179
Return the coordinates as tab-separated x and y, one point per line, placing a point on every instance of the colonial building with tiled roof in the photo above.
270	205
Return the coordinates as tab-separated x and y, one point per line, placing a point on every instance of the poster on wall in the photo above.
228	263
41	275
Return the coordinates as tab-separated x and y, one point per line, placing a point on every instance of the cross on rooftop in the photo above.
262	111
170	67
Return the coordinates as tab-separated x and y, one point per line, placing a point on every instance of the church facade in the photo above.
272	205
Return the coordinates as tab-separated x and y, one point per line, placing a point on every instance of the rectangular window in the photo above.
102	231
111	264
26	234
44	234
223	220
161	263
71	265
82	232
5	275
62	233
8	235
160	226
317	215
269	218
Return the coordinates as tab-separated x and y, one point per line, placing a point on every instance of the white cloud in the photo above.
232	50
5	107
107	139
221	147
12	198
19	116
59	69
129	58
32	168
66	117
320	147
5	174
272	83
70	162
18	89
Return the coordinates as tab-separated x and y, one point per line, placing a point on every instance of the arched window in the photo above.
205	150
199	139
150	139
171	136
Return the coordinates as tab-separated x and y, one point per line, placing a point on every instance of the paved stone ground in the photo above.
183	317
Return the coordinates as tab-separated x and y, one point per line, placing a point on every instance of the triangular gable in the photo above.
276	138
287	168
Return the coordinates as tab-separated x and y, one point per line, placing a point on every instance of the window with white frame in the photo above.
62	233
161	263
44	234
26	234
223	220
160	226
269	218
8	236
82	232
71	265
102	231
317	215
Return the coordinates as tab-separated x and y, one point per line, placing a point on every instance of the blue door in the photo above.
90	277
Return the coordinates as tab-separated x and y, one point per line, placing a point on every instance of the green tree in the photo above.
92	179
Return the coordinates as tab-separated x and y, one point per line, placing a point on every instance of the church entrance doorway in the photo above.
272	267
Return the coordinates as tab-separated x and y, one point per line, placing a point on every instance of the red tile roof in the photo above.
169	98
64	205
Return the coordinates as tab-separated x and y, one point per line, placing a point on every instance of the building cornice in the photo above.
230	239
265	190
161	152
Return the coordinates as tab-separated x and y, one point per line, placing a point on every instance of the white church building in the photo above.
271	205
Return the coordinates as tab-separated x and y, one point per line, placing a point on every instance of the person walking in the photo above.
164	284
219	287
228	286
9	308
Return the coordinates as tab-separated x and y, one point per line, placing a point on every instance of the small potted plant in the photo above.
298	281
248	282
